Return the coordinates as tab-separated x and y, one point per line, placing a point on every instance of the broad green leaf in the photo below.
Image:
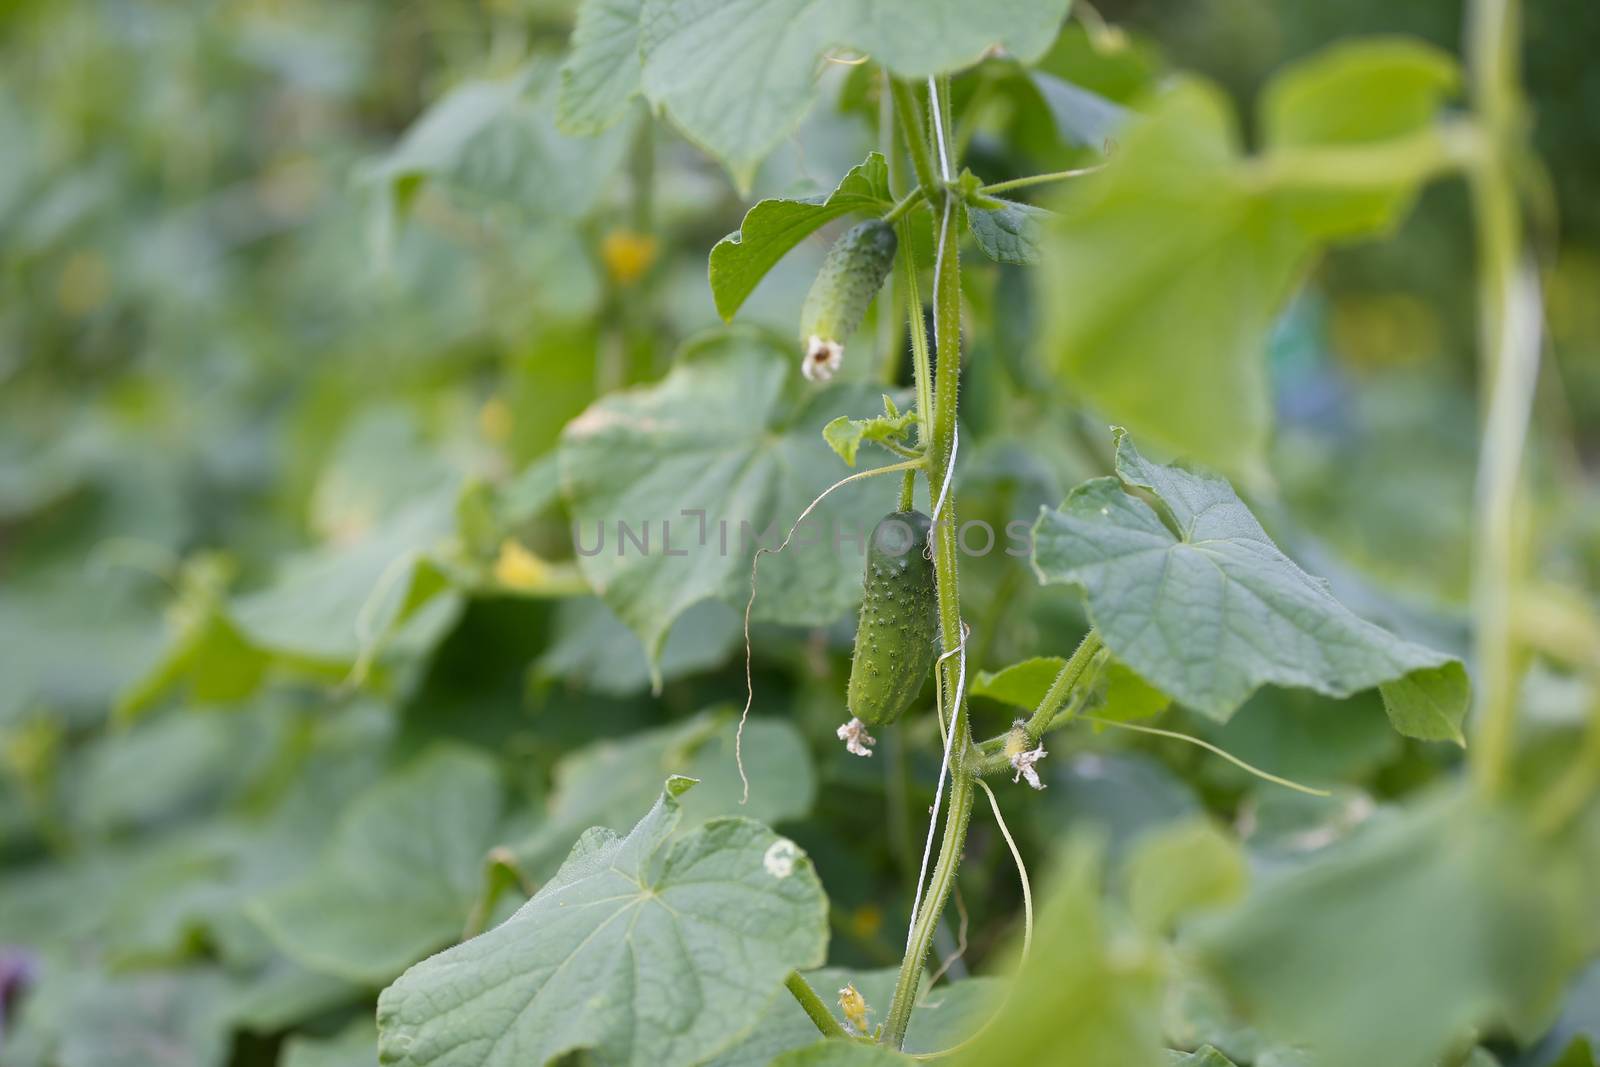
1447	918
1180	869
841	1052
1008	231
1574	1040
1198	600
400	875
1089	989
723	435
607	782
601	74
1022	684
1165	272
737	77
916	38
772	227
1122	796
1124	696
640	950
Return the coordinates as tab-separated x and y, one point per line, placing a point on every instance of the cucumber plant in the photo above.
1150	650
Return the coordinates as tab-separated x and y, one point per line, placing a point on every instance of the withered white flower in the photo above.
856	739
1023	763
822	359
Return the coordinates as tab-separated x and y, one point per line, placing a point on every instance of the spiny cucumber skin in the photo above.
851	275
899	621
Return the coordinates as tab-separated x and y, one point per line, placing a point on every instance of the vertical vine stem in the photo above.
941	447
1509	332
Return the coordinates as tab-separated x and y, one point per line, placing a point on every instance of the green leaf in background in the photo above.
642	951
1198	600
401	874
1088	993
1022	684
354	1046
495	143
1359	92
945	1016
149	1018
772	227
1007	231
1082	117
1180	869
607	782
738	77
1170	266
1201	1057
1433	923
842	1052
723	434
593	650
601	74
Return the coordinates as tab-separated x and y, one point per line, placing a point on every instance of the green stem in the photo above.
908	491
908	115
1509	334
1038	179
813	1005
904	205
919	337
1067	680
941	456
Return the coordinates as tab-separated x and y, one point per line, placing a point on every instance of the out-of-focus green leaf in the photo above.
1022	684
1201	1057
1008	232
1170	266
601	73
1353	93
944	1017
1199	600
604	783
592	646
641	950
142	1019
1122	796
1088	991
354	1046
1181	869
401	874
738	77
841	1052
700	469
1082	117
771	227
1447	918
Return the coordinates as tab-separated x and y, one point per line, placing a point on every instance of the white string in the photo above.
949	470
938	128
944	769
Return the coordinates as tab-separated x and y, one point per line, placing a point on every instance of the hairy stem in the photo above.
941	457
909	117
1038	179
815	1009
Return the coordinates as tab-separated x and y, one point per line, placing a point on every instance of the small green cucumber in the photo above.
899	620
850	277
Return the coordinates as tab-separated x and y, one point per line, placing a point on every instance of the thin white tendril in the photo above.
749	685
944	767
1022	871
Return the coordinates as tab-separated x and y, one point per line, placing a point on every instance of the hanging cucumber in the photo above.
850	277
899	620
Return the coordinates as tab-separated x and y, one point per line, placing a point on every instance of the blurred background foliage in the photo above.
297	298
